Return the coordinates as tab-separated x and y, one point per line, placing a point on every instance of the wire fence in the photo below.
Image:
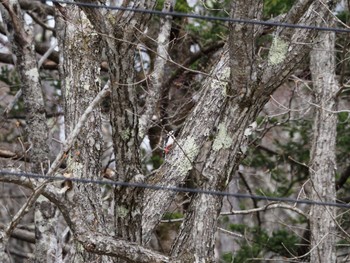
203	17
174	189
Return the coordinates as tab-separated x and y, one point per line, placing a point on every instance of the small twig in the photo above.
24	209
300	163
41	23
308	253
251	192
264	208
46	55
174	220
229	232
13	102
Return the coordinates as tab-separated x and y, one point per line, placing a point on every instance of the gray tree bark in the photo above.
322	159
80	84
231	101
22	39
157	76
209	148
124	115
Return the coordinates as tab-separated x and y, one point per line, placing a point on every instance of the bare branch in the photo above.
37	6
21	234
24	209
230	233
157	76
264	208
106	245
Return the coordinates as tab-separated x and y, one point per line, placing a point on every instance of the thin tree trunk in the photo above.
157	76
45	217
323	162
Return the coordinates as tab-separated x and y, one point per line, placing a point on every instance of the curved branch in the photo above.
106	245
264	208
37	6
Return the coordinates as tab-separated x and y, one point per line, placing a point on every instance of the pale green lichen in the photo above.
79	247
222	140
186	155
122	211
222	81
142	127
125	134
75	167
278	51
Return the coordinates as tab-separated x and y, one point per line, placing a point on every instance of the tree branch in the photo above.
264	208
21	234
37	6
157	76
106	245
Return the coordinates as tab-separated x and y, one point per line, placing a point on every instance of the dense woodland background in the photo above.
118	96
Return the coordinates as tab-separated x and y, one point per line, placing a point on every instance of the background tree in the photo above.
128	77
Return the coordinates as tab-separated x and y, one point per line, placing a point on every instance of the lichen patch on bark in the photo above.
122	211
222	140
222	81
186	154
125	134
278	51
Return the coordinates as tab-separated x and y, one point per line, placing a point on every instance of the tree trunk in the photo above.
214	139
119	36
323	162
209	147
45	217
79	69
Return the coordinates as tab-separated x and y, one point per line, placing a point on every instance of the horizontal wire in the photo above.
174	189
209	18
182	189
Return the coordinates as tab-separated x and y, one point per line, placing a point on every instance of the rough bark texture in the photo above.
47	248
21	36
157	76
22	39
209	148
80	75
119	35
213	138
323	160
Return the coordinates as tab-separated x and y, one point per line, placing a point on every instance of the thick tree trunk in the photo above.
250	87
119	35
323	162
79	69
